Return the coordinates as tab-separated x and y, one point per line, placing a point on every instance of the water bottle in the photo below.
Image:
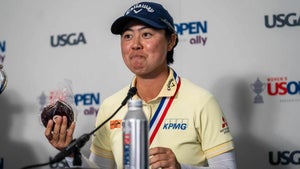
135	137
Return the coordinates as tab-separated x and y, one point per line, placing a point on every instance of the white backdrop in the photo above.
243	41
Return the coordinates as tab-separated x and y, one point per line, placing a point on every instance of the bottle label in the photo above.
126	144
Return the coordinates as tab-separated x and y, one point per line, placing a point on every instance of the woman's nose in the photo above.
136	43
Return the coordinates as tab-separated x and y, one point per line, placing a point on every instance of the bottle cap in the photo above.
135	103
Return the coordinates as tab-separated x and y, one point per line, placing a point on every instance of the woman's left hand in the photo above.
162	157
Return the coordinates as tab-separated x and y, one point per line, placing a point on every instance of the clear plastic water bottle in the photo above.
135	137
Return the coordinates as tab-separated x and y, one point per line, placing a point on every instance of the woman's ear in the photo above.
172	42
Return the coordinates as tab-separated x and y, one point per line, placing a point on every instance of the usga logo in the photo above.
67	39
281	86
275	86
281	20
284	157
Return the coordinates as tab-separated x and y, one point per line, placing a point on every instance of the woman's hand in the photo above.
61	136
161	157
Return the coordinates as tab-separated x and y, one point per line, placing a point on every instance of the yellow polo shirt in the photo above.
194	127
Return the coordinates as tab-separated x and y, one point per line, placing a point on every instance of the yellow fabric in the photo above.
222	148
194	127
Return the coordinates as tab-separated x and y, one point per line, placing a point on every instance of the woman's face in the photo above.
144	49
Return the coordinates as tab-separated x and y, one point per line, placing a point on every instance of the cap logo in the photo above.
137	11
138	8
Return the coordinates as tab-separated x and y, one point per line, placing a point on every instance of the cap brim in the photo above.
118	26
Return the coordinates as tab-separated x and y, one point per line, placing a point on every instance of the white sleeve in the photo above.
102	162
222	161
93	162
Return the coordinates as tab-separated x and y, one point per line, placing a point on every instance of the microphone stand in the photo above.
76	144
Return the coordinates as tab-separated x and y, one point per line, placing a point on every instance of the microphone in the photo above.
76	144
3	79
131	92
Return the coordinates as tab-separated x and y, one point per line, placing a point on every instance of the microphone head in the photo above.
132	91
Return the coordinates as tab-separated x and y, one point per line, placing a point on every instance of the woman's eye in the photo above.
127	36
147	35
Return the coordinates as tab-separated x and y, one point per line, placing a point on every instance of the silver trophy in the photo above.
3	79
258	87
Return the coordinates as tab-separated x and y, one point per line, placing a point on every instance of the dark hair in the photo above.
170	54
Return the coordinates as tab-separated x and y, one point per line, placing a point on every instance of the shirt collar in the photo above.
168	89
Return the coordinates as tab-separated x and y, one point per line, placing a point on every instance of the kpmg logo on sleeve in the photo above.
87	102
283	88
192	32
2	51
67	39
281	20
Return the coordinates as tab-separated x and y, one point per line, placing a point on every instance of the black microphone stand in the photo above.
76	144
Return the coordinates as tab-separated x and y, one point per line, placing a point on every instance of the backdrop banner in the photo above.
245	52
